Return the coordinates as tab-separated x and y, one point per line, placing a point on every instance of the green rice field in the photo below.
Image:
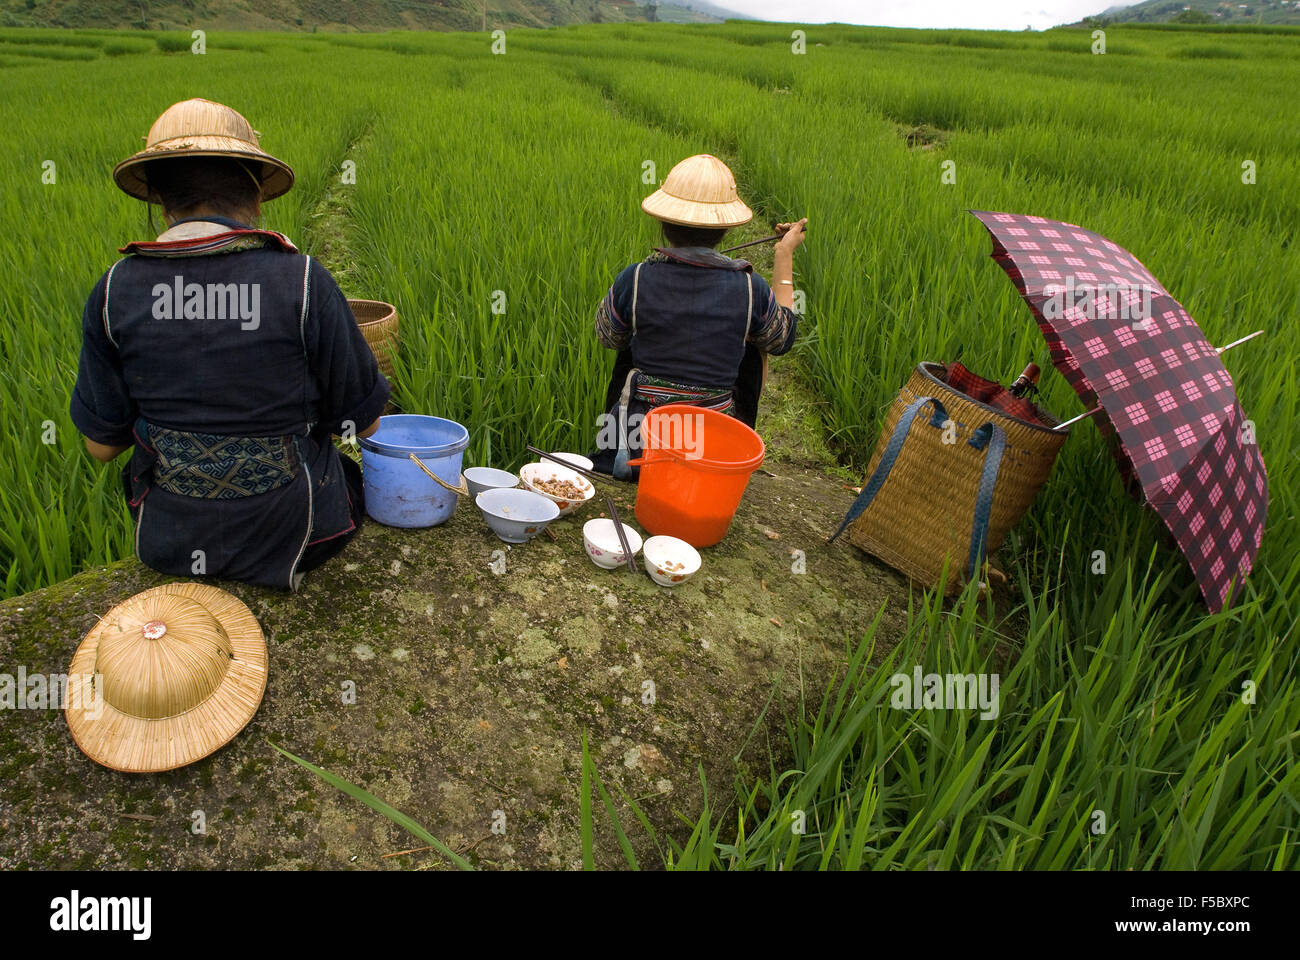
521	173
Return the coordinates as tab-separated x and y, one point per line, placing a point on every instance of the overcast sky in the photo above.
980	14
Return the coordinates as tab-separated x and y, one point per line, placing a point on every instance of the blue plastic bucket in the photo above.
398	492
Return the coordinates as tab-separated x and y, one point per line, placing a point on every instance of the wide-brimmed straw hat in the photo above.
699	192
166	678
201	128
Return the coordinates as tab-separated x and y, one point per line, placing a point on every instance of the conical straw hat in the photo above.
698	192
201	128
166	678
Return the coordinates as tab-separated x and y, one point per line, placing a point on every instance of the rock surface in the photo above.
473	690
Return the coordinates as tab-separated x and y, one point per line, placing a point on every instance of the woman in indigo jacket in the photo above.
225	360
692	325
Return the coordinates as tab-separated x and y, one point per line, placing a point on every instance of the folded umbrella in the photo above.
1127	346
993	394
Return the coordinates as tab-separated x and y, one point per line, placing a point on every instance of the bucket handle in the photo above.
463	489
642	461
654	455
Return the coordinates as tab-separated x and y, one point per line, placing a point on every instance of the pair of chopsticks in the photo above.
609	502
565	463
754	243
622	537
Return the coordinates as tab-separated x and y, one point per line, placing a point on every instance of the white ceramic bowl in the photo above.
575	458
532	472
601	540
669	561
479	479
516	516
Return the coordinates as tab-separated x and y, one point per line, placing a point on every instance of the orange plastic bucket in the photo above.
694	471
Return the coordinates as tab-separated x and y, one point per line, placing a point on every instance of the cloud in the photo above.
974	14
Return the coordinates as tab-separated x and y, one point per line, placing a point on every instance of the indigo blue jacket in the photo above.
687	314
302	370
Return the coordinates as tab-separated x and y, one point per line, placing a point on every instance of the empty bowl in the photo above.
601	540
670	561
516	516
566	489
479	479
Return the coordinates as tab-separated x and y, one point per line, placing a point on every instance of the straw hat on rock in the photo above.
699	192
166	678
201	128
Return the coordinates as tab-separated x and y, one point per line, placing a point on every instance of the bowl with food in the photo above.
478	479
669	561
566	489
600	538
516	516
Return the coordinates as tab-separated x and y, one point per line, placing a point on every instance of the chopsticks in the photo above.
565	463
752	243
622	537
609	503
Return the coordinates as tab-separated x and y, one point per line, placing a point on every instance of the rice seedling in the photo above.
370	800
1121	742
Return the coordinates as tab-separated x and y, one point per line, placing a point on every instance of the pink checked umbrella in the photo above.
1125	344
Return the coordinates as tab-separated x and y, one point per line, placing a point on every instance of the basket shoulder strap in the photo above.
994	441
894	447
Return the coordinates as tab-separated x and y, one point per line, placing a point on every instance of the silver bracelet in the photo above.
788	283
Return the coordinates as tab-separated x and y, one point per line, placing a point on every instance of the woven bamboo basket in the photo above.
378	323
922	518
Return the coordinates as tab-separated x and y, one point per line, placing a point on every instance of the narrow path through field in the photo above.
328	234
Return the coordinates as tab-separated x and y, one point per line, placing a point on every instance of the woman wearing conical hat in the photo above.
224	360
690	324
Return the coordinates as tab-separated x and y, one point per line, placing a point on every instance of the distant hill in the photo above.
1203	11
354	15
714	10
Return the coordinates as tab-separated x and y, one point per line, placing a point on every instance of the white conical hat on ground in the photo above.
166	678
202	128
699	192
